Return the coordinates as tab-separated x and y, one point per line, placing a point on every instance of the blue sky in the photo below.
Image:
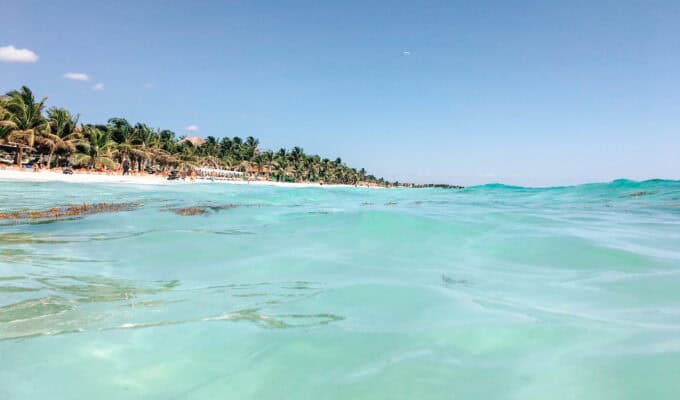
531	93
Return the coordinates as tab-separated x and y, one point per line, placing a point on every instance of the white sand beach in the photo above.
27	175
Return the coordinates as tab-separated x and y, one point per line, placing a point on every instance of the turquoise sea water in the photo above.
491	292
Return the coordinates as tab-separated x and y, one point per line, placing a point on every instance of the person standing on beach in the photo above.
126	167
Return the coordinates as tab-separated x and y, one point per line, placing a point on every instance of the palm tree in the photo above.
96	146
167	140
186	155
124	136
248	149
6	125
229	162
268	157
146	145
25	119
297	158
237	147
362	174
63	134
313	168
251	142
261	162
226	147
281	168
210	150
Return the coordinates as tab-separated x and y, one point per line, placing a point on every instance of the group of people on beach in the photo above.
39	164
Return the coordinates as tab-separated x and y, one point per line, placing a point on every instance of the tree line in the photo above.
28	129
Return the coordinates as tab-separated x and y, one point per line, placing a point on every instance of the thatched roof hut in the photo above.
195	140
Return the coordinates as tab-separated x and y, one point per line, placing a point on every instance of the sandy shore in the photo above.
27	175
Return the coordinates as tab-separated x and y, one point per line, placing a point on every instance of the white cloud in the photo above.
77	76
406	53
191	128
11	54
98	87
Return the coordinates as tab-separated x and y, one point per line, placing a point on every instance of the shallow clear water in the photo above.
336	293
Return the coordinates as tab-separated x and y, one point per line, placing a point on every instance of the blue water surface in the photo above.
491	292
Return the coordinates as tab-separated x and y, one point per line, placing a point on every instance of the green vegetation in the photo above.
27	129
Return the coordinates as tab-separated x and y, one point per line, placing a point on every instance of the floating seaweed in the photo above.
448	281
71	211
189	211
28	238
639	194
282	321
205	209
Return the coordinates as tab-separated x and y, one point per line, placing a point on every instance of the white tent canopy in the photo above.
219	173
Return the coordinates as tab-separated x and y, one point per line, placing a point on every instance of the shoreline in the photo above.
27	175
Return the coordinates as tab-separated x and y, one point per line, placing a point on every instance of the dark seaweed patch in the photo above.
638	194
448	281
206	209
68	212
189	211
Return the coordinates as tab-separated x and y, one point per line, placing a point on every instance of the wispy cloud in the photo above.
148	85
77	76
406	53
98	87
11	54
192	128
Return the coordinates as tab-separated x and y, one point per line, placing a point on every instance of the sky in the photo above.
533	93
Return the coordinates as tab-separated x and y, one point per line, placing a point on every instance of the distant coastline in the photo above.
55	175
47	139
14	174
